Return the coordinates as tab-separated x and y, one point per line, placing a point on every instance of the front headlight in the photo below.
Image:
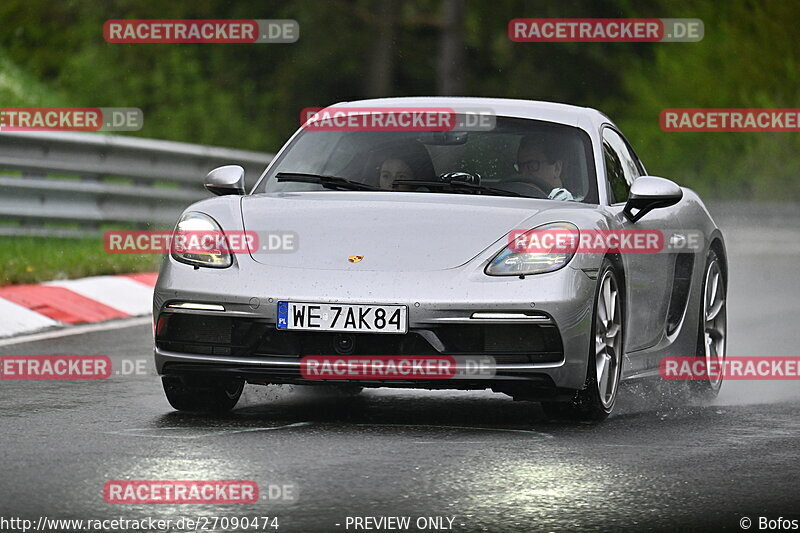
515	260
199	241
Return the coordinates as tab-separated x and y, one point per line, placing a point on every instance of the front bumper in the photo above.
549	349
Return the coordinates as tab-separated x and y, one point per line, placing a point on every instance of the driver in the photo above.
539	159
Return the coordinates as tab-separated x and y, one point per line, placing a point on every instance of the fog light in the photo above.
507	316
196	306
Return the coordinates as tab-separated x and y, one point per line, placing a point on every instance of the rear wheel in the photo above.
596	400
712	329
202	394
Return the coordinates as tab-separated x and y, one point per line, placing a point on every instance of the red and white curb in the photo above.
28	308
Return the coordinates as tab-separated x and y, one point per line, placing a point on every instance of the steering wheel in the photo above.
528	188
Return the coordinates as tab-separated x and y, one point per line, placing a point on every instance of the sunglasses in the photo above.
531	165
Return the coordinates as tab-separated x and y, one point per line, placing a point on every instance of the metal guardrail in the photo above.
757	214
69	184
758	229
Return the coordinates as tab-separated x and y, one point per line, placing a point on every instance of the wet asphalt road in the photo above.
493	464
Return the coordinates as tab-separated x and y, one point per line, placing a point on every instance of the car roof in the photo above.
531	109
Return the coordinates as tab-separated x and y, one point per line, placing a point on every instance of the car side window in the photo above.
617	186
621	166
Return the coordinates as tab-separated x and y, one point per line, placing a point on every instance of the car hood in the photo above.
394	232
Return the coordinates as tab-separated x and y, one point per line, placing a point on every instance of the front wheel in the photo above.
202	394
712	329
596	400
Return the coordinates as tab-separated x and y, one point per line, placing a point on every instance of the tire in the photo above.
596	400
202	394
711	328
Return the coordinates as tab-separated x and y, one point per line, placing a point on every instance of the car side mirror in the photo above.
226	180
648	193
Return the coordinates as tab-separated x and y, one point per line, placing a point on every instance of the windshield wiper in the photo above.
459	186
329	182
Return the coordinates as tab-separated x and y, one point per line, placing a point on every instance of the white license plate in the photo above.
364	318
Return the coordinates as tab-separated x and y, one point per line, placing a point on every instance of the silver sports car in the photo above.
384	240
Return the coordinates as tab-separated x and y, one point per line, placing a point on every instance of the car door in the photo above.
648	275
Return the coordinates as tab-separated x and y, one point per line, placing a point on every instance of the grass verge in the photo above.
37	259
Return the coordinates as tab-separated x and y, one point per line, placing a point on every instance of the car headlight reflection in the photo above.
524	259
199	241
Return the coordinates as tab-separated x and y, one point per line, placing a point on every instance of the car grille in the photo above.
246	337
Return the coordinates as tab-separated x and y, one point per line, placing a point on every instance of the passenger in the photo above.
395	170
396	161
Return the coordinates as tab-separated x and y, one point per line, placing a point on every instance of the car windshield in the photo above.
517	157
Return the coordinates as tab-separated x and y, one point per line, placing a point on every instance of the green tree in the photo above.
748	58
